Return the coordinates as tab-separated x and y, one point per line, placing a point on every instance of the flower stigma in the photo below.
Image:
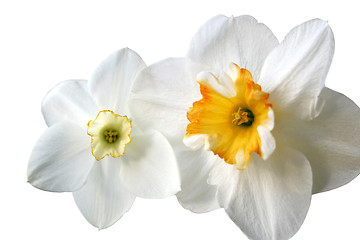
232	112
109	134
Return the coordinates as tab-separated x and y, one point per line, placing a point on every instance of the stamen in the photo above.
243	117
111	135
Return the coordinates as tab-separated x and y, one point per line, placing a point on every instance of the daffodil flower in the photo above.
94	148
254	129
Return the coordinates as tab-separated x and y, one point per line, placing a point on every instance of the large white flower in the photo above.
94	148
253	127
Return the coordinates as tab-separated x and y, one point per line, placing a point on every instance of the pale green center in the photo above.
109	133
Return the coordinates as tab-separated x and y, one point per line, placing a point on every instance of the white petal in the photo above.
157	104
294	73
195	141
241	40
268	143
70	101
61	159
330	142
228	80
112	80
269	199
240	158
269	124
149	168
196	194
163	93
208	79
103	199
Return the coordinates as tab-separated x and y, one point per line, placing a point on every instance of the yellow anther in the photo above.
110	135
240	117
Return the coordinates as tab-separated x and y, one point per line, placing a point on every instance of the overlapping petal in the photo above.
168	88
241	40
69	101
149	167
196	194
269	199
61	159
330	141
296	69
103	199
112	80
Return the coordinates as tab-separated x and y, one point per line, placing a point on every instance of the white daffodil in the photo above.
94	148
253	127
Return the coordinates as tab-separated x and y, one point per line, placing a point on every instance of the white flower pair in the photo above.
251	127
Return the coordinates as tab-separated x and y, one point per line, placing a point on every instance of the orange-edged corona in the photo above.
232	116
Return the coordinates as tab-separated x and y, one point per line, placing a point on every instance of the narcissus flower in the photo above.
94	148
254	129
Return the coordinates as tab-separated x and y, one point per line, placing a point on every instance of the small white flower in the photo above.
258	138
94	148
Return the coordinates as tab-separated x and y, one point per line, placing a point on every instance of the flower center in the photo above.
243	117
230	117
109	133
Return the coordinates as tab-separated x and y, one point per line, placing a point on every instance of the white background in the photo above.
45	42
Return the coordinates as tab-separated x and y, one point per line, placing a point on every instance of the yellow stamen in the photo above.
111	135
240	117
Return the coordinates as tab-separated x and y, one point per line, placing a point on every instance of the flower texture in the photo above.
94	148
253	126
